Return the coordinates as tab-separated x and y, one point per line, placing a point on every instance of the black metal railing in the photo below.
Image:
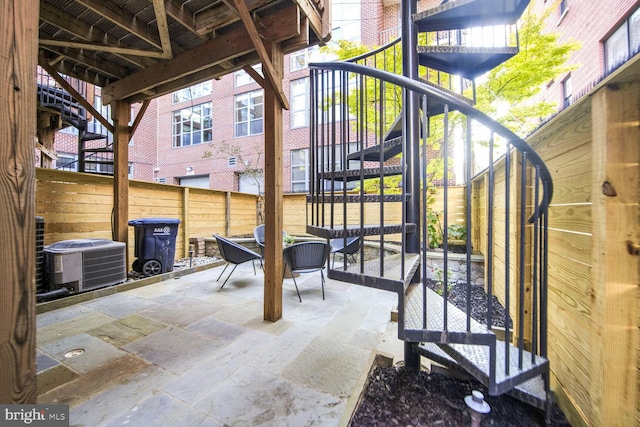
352	108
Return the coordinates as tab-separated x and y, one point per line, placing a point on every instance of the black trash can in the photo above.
155	244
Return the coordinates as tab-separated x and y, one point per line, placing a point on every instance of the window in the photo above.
299	98
242	78
567	92
130	170
346	20
623	43
192	125
192	92
300	170
563	6
300	60
67	162
329	94
248	113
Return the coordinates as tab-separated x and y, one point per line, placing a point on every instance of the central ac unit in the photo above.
85	264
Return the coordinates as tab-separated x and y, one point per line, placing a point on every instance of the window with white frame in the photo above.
130	170
248	113
192	92
242	78
300	170
299	99
192	125
346	17
623	43
300	59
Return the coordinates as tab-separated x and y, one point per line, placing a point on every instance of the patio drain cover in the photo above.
74	353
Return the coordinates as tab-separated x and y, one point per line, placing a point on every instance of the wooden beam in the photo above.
273	143
279	26
267	67
314	16
18	60
163	27
255	75
103	48
138	119
122	18
220	16
74	93
120	114
614	342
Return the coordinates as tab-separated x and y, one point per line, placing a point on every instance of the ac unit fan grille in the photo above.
103	268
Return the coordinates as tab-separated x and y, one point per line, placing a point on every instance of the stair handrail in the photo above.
479	116
373	52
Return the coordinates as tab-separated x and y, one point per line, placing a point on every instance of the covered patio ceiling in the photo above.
140	49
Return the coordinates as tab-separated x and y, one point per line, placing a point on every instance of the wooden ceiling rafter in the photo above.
123	19
133	46
183	17
270	75
281	25
79	29
163	27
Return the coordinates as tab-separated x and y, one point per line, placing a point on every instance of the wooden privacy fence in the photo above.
78	206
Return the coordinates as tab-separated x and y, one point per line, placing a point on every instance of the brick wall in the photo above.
590	23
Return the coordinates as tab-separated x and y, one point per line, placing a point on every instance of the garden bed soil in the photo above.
396	397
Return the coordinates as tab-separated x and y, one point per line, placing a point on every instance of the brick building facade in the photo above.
592	24
223	150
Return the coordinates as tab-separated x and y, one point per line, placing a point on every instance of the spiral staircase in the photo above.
95	147
374	119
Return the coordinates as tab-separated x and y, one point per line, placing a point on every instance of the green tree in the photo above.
508	90
506	93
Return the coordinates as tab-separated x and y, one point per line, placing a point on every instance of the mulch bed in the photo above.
397	397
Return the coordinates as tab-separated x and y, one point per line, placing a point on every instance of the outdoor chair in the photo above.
306	257
351	248
235	254
258	235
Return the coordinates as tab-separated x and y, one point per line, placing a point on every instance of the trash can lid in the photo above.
154	221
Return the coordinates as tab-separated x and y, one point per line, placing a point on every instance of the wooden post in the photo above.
18	60
273	193
615	181
227	214
48	123
185	221
120	113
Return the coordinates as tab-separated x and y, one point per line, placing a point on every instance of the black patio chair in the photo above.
306	257
338	247
258	235
235	254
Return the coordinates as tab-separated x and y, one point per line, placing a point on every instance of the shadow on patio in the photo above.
184	352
